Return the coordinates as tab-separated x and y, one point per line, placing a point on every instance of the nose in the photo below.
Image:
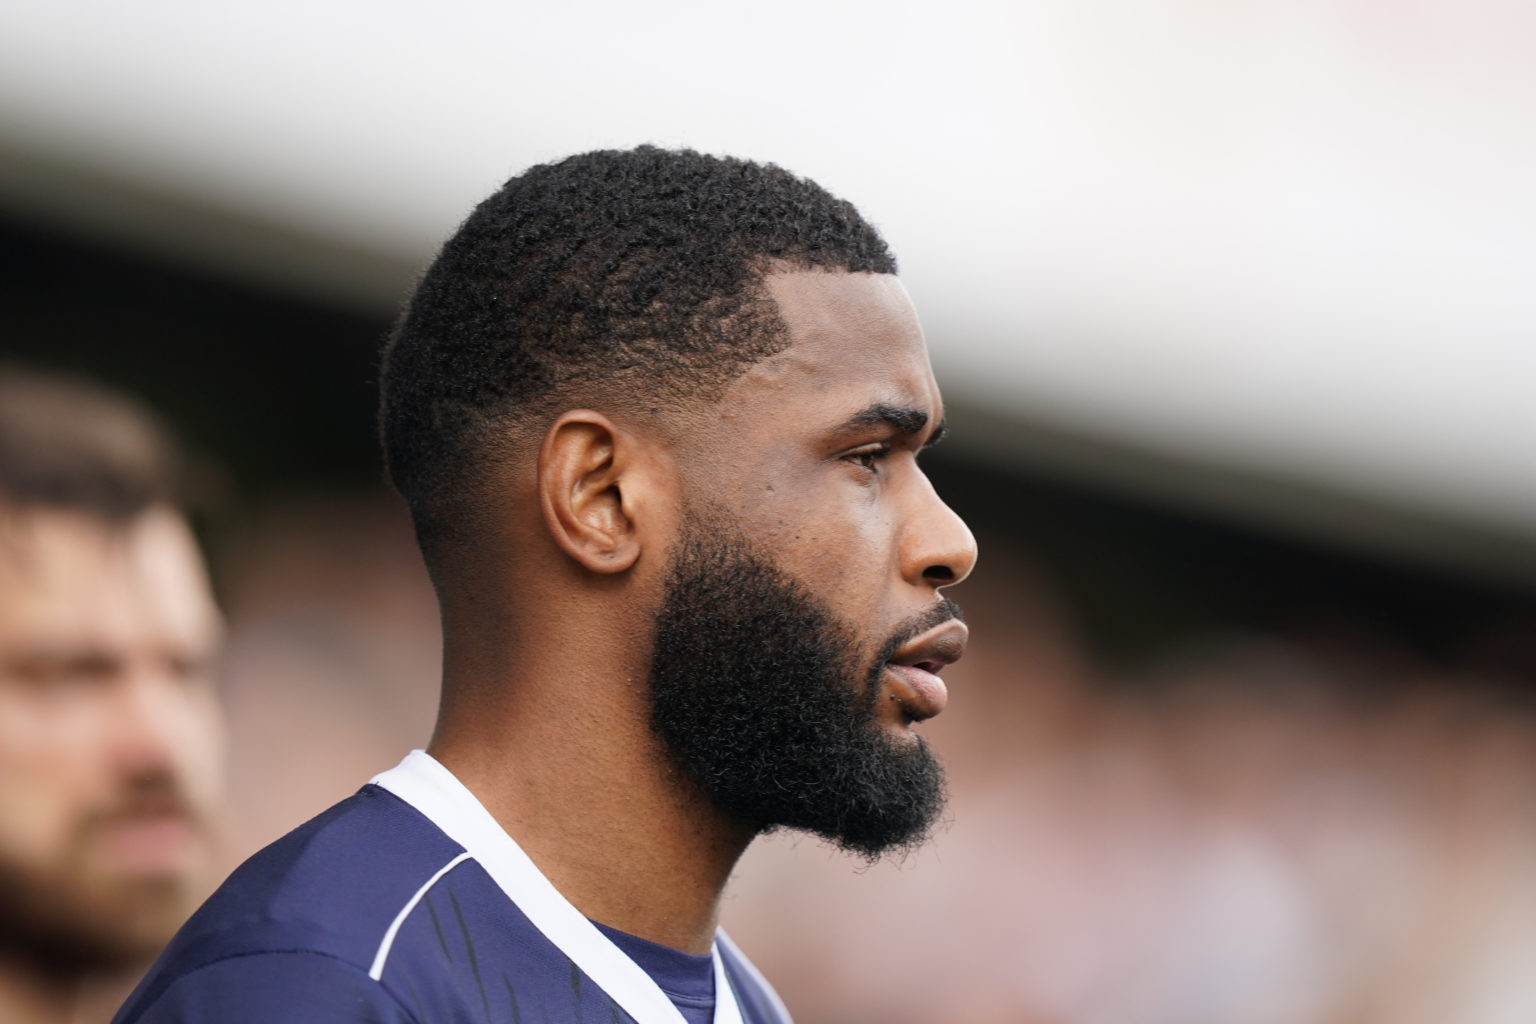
147	722
938	549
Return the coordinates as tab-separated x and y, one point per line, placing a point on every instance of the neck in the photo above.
564	758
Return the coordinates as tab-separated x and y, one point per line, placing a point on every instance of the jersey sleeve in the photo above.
274	988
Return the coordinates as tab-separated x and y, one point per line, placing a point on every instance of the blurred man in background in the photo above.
111	744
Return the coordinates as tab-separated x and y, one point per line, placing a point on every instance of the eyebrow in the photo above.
904	418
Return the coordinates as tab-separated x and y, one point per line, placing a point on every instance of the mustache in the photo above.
941	612
147	797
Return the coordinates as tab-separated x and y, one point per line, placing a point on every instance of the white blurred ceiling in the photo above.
1272	255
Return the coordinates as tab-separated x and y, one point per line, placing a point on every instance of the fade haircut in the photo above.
638	273
69	444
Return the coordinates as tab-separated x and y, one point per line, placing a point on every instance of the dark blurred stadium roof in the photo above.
1278	272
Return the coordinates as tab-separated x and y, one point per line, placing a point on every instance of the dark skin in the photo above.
547	628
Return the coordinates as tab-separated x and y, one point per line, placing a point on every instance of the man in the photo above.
657	417
110	735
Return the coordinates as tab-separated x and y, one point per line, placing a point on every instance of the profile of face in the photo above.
802	628
111	741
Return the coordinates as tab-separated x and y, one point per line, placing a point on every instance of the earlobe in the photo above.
584	466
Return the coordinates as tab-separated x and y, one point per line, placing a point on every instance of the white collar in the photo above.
421	781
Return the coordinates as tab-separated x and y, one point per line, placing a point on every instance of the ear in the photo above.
588	474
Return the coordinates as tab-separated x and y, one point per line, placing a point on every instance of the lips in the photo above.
147	833
149	845
914	669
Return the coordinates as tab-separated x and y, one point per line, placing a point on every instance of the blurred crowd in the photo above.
1257	828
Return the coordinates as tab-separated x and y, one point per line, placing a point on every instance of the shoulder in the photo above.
271	987
318	902
760	1004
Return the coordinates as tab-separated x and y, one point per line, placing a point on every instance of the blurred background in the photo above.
1232	306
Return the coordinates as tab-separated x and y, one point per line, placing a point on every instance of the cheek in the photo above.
819	541
51	769
824	527
846	560
199	746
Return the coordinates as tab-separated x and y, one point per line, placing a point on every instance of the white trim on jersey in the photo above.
421	781
726	942
377	970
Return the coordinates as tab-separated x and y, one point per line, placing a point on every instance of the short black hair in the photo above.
66	443
638	271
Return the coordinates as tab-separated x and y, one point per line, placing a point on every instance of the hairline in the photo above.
523	432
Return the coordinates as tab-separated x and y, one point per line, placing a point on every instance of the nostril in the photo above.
939	574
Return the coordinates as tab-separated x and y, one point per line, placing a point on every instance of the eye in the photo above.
870	455
190	668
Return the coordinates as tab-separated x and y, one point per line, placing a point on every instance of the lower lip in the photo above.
149	845
922	693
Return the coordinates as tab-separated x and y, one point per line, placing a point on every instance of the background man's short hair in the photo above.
639	271
69	444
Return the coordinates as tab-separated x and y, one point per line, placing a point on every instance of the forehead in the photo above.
68	578
855	340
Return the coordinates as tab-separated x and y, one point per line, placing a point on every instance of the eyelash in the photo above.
869	455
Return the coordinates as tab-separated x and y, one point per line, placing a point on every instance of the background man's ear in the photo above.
584	465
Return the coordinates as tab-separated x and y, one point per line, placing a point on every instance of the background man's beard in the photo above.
68	920
66	934
757	691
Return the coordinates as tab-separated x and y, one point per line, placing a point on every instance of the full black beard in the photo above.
758	693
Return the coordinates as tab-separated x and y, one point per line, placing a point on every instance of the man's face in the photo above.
802	629
111	745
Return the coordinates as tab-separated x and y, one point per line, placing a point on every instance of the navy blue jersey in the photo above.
408	904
